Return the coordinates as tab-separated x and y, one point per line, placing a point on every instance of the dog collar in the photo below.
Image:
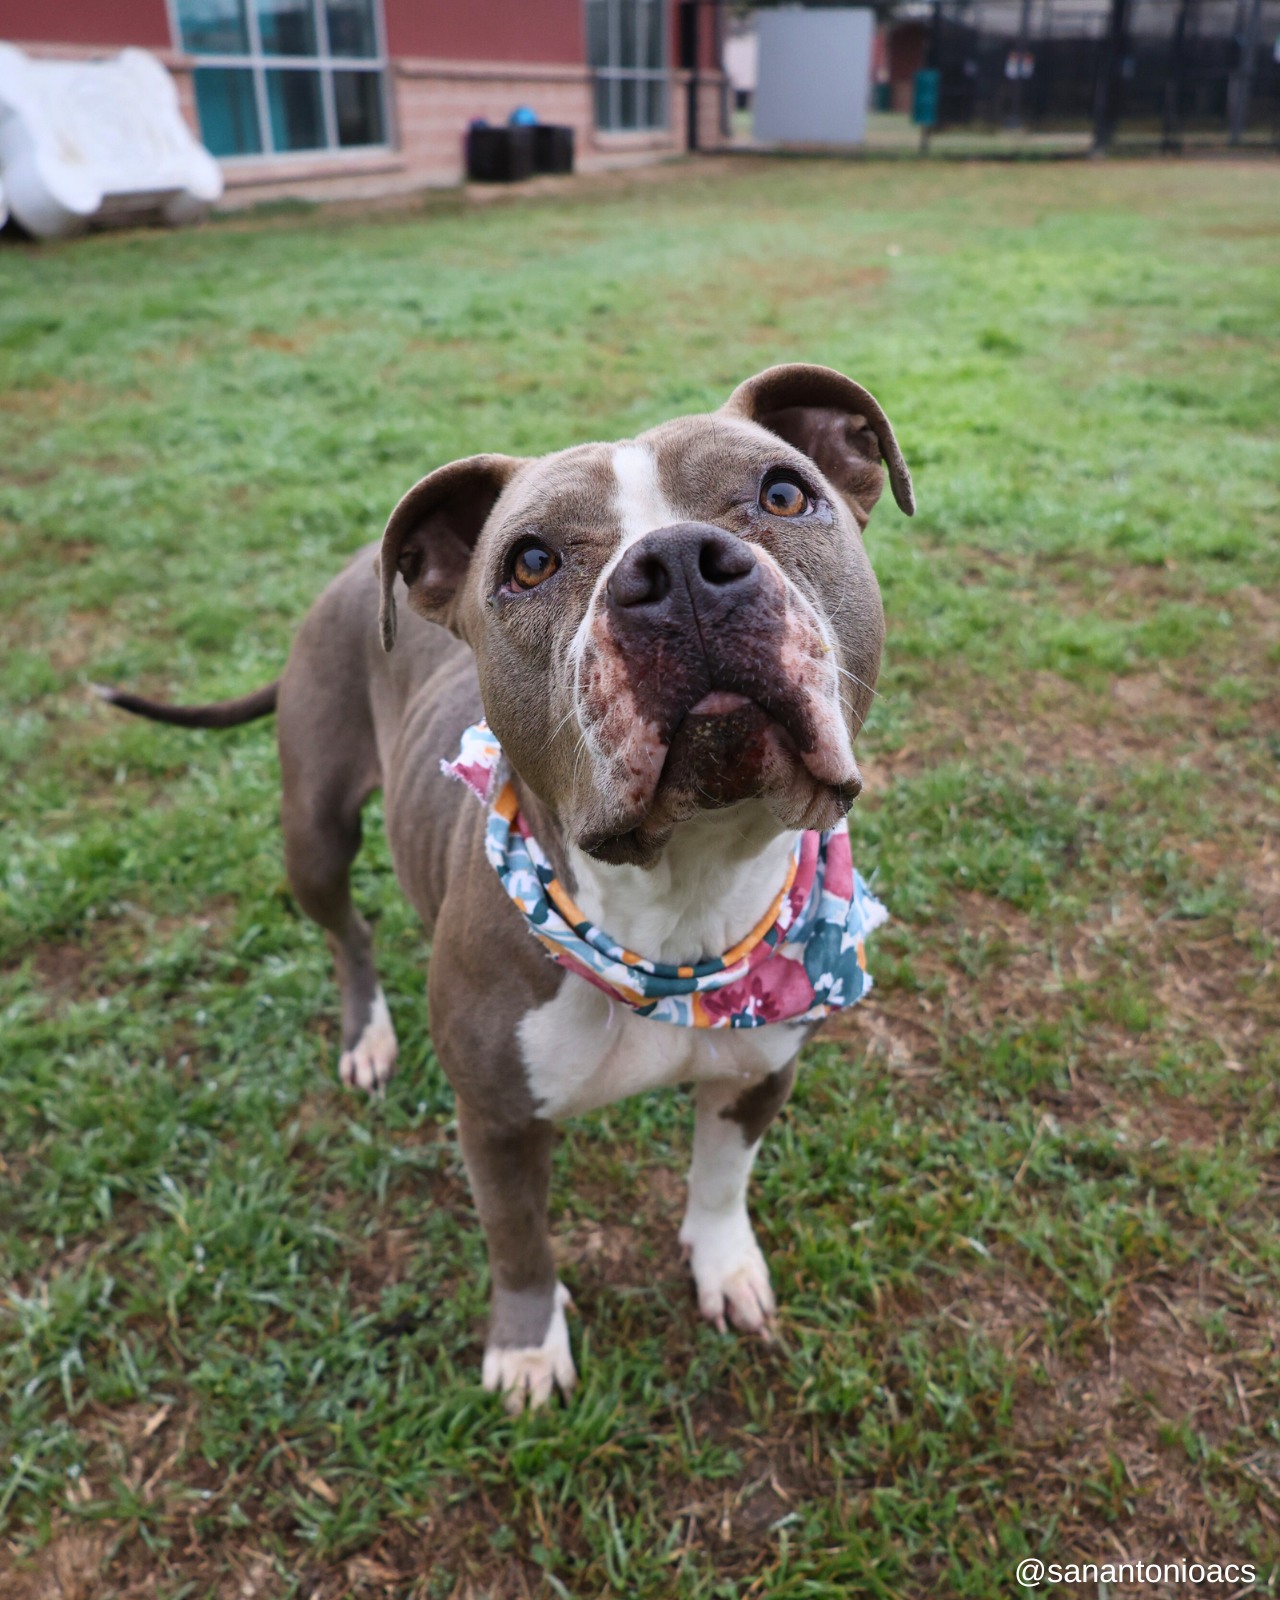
803	960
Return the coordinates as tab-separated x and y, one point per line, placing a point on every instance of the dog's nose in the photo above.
690	563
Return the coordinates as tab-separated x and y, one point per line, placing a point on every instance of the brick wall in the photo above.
432	103
436	100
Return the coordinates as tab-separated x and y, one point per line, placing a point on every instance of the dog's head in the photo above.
673	624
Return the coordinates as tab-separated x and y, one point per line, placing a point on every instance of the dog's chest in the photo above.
583	1050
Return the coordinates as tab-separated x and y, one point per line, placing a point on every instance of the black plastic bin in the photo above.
499	155
552	148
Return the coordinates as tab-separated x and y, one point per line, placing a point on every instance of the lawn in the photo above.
1021	1211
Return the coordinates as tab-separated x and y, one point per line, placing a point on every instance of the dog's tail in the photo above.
222	714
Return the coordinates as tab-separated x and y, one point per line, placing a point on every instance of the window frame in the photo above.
258	63
642	77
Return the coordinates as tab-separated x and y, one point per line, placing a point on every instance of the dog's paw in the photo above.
372	1058
729	1271
528	1376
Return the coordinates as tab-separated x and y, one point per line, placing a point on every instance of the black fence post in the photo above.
1019	118
689	62
1172	139
1106	102
726	88
933	59
1242	79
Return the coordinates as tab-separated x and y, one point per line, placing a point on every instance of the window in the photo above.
282	75
627	47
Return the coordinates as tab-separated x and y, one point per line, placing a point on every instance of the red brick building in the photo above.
335	97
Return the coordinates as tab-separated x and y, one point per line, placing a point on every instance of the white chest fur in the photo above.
583	1050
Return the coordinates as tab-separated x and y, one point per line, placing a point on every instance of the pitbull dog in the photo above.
675	640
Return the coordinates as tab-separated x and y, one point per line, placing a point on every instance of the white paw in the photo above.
729	1271
372	1058
527	1376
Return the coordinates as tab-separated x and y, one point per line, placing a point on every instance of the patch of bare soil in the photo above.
907	1030
1115	1429
53	397
1104	1429
1163	712
72	1566
71	970
61	969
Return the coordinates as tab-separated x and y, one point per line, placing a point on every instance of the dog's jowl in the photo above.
611	697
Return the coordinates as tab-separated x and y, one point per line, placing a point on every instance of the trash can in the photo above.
552	148
499	155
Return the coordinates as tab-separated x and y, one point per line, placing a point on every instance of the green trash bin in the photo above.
925	94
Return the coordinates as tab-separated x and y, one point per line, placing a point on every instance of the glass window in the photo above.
279	76
213	27
627	19
287	27
297	110
357	101
352	31
651	35
626	47
228	111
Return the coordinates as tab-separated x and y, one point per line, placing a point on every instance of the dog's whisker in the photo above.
854	678
852	711
568	717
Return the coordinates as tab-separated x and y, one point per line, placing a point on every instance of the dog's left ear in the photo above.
837	424
432	534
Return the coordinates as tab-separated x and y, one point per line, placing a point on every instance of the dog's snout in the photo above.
690	563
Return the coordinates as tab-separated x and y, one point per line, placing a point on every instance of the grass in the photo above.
1021	1210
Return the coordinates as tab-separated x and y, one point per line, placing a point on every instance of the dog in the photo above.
647	662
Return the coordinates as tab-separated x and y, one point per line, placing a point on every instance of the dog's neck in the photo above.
713	882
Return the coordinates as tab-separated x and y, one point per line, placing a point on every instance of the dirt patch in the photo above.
78	638
1110	1423
1119	1425
1165	711
908	1029
387	1259
815	279
72	970
72	1566
52	398
62	969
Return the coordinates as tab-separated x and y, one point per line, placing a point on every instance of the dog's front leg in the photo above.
527	1351
729	1270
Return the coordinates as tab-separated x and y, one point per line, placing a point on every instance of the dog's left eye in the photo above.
533	565
783	497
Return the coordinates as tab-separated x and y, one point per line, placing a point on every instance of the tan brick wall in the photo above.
711	134
436	100
432	104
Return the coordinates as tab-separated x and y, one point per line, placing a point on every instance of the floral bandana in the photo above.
803	960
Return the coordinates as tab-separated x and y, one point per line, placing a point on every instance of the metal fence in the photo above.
1166	71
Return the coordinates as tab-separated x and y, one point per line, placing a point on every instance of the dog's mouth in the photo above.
727	748
722	750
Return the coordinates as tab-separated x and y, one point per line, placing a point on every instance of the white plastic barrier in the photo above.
93	140
814	76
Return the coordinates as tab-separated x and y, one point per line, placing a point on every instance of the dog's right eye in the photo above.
533	565
783	496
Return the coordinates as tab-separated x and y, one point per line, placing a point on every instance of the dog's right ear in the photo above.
432	533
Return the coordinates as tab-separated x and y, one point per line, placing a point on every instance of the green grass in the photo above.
1021	1210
